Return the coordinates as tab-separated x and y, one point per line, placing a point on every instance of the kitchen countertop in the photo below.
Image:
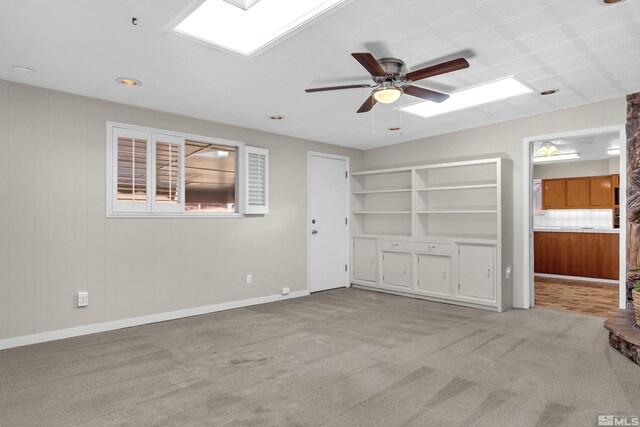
578	230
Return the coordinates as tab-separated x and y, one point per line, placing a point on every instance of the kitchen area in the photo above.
576	220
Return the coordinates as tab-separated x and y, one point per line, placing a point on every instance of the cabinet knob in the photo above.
394	244
488	272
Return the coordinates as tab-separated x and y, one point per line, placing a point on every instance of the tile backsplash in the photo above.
587	218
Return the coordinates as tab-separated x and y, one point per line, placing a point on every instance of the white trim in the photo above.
527	223
143	320
584	279
432	166
347	213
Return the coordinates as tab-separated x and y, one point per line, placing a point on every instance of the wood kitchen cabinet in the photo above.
601	191
591	192
577	193
553	194
594	255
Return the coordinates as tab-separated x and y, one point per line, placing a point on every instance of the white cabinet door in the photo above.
434	274
475	269
365	259
396	269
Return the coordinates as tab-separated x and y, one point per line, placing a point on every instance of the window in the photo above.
210	177
160	173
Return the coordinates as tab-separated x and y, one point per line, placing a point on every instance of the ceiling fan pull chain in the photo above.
373	129
401	116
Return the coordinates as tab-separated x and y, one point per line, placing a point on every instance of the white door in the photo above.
476	271
328	229
434	274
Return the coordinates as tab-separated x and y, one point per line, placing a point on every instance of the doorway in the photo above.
328	229
566	219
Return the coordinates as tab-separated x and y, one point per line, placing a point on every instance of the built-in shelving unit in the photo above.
434	231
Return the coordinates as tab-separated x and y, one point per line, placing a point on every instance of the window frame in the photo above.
146	210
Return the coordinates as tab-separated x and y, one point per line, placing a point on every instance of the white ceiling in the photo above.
588	51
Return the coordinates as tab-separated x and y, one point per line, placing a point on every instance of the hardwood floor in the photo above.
593	298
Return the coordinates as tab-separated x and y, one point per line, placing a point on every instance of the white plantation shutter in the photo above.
131	172
256	171
168	179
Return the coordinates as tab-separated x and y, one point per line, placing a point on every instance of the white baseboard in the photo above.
584	279
143	320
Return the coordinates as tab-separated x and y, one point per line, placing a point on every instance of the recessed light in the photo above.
548	92
276	117
394	129
128	81
21	69
472	97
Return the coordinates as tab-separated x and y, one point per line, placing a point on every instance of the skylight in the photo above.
466	98
247	31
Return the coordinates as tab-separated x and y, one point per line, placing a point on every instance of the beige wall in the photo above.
55	239
569	170
501	139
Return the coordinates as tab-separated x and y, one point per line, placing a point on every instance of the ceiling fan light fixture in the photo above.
387	95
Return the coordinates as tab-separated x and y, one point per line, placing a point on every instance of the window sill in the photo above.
174	215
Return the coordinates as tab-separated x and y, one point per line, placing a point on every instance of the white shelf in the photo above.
458	187
399	190
460	211
381	212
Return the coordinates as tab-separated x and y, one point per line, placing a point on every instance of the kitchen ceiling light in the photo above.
276	117
223	24
387	95
472	97
129	82
613	151
548	92
394	129
556	158
611	1
547	150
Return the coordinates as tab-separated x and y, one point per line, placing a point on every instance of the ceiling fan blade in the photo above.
427	94
370	64
322	89
368	105
434	70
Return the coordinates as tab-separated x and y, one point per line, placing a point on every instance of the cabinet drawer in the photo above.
441	248
394	245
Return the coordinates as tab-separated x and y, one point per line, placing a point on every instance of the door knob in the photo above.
314	231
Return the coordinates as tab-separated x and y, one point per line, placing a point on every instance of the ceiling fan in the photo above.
391	80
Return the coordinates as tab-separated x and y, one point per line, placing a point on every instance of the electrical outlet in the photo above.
83	299
285	291
249	279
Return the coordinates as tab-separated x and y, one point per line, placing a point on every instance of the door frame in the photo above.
347	196
527	231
